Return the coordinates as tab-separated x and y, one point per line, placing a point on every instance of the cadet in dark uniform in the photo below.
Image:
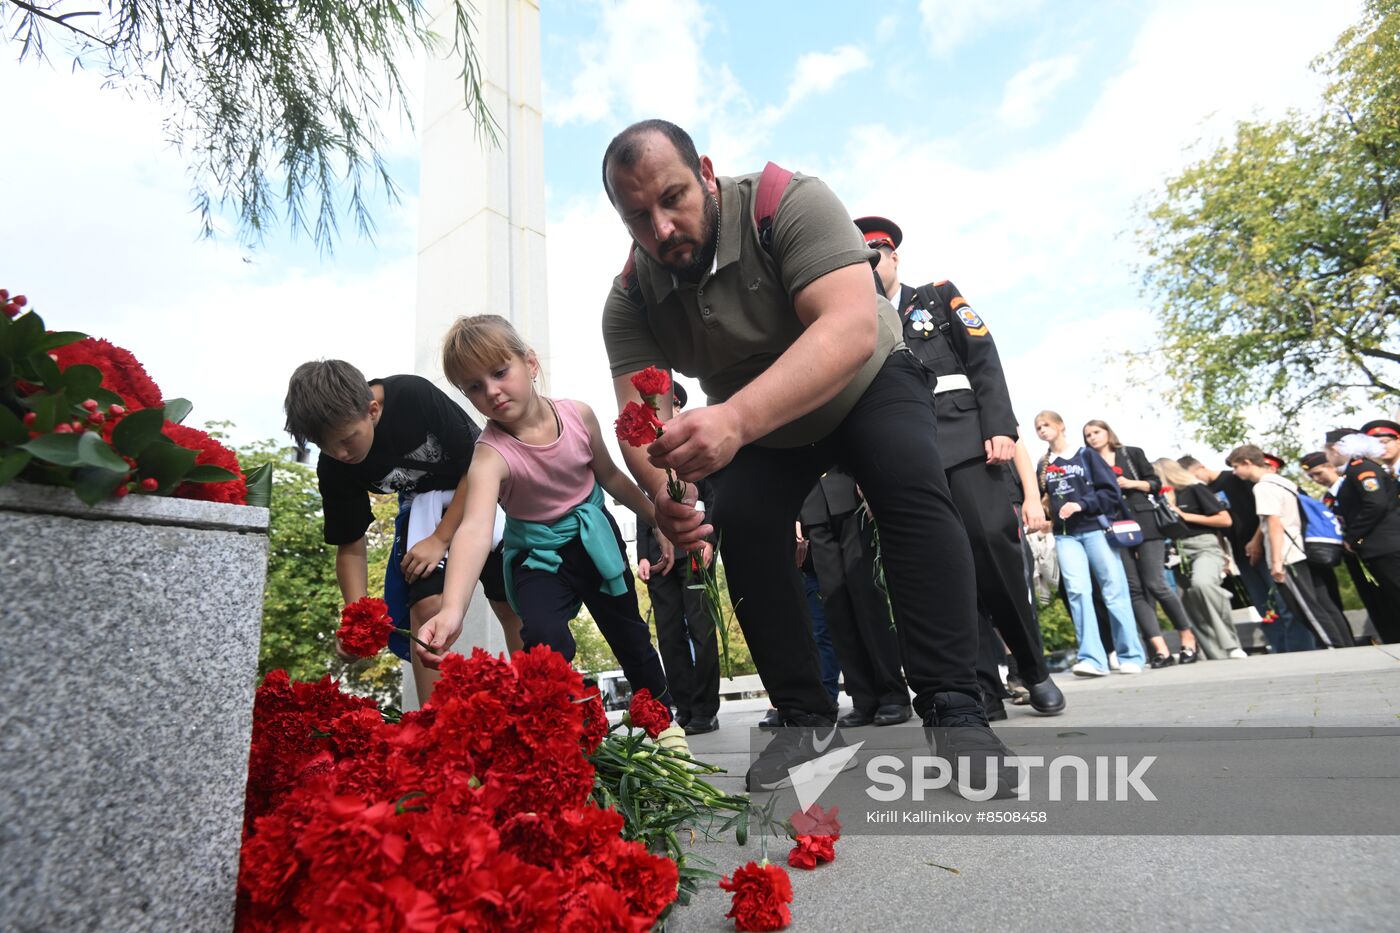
857	615
976	440
1368	505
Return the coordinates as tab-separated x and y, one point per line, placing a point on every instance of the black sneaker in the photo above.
958	729
794	746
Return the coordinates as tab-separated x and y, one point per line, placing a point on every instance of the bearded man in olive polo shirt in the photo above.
804	366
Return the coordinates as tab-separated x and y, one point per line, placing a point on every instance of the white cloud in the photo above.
949	23
817	72
647	60
1041	239
1032	87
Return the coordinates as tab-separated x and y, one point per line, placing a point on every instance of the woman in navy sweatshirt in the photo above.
1084	499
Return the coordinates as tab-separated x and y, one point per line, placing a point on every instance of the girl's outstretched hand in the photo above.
438	633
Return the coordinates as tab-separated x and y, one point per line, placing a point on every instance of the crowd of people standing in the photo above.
1243	534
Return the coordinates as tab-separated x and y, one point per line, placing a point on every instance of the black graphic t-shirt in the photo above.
423	441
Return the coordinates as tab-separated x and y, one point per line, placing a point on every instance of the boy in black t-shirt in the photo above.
400	434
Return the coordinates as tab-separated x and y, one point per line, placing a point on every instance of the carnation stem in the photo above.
414	638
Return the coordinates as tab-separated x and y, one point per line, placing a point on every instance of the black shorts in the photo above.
493	581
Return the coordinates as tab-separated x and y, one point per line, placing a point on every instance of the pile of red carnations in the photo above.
472	814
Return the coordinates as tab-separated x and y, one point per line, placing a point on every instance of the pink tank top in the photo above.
545	481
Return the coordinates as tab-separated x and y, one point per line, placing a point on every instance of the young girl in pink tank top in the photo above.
543	459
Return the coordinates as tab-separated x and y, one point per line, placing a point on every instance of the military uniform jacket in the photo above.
1369	510
832	496
949	338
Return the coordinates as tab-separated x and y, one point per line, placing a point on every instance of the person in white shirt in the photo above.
1276	500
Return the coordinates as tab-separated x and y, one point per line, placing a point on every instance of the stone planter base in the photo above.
126	683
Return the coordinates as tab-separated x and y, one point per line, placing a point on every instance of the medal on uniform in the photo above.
921	321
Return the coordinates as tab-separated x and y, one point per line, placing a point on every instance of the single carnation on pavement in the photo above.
761	897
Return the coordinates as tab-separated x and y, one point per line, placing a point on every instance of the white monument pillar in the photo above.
481	208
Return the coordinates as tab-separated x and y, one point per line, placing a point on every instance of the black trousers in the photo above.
547	603
887	443
994	532
1386	613
1306	594
682	619
857	615
1146	567
1382	601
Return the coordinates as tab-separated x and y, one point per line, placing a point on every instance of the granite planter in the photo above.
126	682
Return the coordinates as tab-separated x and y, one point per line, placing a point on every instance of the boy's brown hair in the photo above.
477	343
1247	453
324	395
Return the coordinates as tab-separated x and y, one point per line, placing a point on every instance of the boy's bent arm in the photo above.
470	545
352	570
424	556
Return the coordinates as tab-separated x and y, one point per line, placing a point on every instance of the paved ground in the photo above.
1050	883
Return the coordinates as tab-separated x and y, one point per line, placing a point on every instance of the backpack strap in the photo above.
771	185
629	276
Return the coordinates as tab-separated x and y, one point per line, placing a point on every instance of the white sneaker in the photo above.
1238	653
1087	668
1130	668
1113	660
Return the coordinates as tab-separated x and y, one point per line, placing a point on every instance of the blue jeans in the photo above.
1085	558
1285	634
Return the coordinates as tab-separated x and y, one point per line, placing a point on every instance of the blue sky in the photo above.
1012	141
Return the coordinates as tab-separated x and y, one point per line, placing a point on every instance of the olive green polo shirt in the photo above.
731	326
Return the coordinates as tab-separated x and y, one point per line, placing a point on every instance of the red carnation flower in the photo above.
812	850
648	713
761	895
122	373
365	626
1118	471
595	721
637	425
211	453
652	382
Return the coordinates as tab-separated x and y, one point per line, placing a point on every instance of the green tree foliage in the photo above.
277	106
1275	261
301	601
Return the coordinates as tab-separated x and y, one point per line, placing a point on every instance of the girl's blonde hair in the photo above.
478	342
1172	473
1049	415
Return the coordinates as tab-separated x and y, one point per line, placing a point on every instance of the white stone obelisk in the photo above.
481	210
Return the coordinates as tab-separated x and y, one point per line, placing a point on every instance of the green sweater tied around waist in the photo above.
542	541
